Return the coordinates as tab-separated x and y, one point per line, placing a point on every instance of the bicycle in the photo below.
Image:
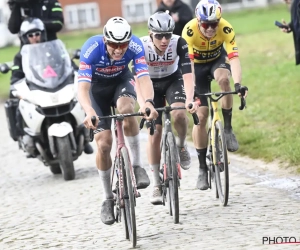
217	155
170	171
125	185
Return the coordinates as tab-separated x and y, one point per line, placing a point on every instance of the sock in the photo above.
227	114
202	157
180	142
105	180
155	174
134	149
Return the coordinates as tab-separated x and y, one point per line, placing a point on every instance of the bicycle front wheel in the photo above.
129	197
172	160
221	164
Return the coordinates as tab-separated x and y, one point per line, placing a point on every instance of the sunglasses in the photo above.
34	34
160	36
118	45
205	25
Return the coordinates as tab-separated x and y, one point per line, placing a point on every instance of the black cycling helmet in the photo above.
161	22
31	25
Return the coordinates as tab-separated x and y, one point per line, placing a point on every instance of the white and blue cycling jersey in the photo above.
95	64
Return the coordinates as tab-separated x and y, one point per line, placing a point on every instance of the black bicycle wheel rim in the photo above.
173	174
221	157
129	198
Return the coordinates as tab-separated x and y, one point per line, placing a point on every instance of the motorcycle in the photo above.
46	118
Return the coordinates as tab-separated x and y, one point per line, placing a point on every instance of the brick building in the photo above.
81	14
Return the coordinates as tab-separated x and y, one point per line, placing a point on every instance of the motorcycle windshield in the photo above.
46	64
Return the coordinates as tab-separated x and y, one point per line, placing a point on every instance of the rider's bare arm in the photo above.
83	95
144	90
189	87
236	70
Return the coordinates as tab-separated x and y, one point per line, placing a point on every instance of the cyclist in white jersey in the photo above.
164	52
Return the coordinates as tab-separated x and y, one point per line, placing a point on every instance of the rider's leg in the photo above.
125	101
125	105
200	143
153	153
175	96
222	75
221	72
101	97
103	162
203	81
181	122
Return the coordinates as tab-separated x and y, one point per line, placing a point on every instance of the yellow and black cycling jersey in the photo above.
201	49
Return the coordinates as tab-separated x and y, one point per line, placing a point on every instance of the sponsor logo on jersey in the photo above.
234	48
84	66
110	69
184	46
153	64
136	48
140	60
90	49
189	32
213	42
227	30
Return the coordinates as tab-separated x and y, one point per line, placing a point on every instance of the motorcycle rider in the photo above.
33	31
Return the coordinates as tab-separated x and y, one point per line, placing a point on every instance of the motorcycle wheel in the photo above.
55	168
65	157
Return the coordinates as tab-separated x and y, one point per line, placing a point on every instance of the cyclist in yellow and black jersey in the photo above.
206	36
203	49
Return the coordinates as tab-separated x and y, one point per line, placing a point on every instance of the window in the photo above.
138	10
80	16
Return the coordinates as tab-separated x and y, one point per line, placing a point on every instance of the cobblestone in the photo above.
42	211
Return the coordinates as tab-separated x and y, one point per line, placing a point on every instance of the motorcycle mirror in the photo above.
4	68
77	54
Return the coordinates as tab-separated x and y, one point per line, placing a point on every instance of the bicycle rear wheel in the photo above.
172	160
221	164
129	197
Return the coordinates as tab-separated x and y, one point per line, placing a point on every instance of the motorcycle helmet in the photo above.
31	25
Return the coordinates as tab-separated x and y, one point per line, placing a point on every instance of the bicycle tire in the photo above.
173	177
120	210
221	158
129	198
210	163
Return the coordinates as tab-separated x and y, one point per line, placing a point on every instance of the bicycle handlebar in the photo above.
93	119
219	95
168	109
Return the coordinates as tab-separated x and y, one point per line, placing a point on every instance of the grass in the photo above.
268	128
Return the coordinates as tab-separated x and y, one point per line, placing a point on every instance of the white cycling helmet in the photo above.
117	30
208	10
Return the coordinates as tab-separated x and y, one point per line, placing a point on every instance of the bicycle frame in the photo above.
120	143
215	117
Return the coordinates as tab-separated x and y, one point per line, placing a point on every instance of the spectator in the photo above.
180	12
294	25
49	11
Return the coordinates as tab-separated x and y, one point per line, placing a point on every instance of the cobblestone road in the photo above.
42	211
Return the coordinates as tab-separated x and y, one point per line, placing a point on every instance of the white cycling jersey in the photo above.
161	66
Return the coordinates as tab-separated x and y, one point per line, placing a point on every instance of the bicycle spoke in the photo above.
129	198
221	167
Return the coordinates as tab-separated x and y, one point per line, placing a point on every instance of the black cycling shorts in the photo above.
204	74
170	88
104	94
